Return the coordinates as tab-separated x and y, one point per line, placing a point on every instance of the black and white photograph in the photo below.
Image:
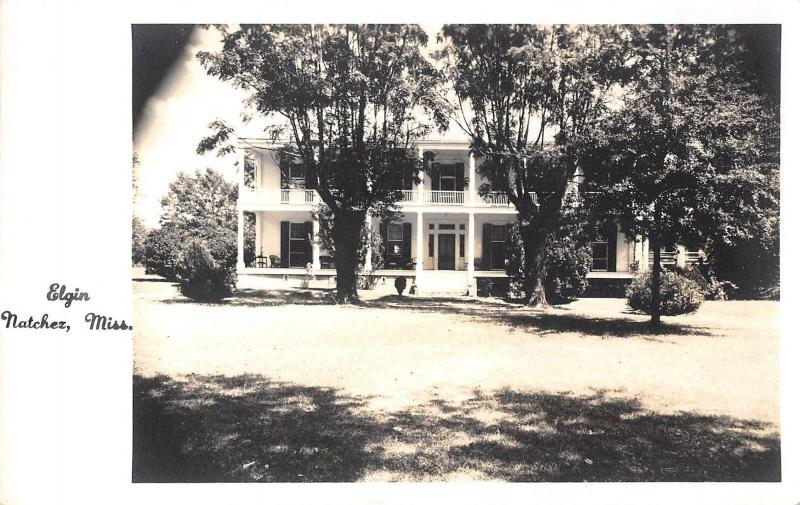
356	252
457	252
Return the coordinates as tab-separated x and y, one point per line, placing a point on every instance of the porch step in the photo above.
443	283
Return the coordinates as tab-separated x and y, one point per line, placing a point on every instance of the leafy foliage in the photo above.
517	85
199	207
370	239
679	295
162	249
567	261
351	97
138	239
691	154
203	276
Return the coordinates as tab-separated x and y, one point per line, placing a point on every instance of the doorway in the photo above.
447	251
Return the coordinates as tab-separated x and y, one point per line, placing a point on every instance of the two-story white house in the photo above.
447	238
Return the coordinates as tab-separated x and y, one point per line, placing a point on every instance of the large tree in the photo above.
353	100
692	153
526	96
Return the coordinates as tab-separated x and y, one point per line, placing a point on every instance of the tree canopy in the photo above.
352	100
692	152
526	97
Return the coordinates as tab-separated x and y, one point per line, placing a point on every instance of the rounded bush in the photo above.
202	277
400	285
679	295
162	249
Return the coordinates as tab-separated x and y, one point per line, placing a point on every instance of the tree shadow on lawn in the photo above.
543	323
248	428
248	297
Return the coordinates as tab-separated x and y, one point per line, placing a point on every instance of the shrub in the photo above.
202	276
679	295
567	261
498	287
400	285
162	249
565	268
367	281
711	287
138	241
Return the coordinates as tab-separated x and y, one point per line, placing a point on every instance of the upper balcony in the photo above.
410	198
450	182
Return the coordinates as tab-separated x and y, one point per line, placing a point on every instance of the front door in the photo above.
447	251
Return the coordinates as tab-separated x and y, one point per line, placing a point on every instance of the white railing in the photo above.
444	197
408	195
667	258
496	199
692	258
298	196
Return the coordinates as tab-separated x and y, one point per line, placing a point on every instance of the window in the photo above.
599	253
447	177
447	227
298	245
461	246
394	239
430	245
394	242
498	247
296	172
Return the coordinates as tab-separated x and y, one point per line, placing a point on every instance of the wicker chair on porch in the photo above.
274	261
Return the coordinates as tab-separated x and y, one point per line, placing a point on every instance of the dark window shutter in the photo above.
486	256
385	242
435	177
309	234
459	177
284	244
406	242
612	247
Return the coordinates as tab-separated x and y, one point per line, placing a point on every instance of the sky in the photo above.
174	100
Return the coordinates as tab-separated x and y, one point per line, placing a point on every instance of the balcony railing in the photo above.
496	199
279	196
298	196
443	197
409	195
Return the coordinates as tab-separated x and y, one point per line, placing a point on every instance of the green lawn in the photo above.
278	385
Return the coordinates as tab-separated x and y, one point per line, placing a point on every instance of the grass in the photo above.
279	386
251	429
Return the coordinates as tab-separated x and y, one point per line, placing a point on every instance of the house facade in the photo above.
447	239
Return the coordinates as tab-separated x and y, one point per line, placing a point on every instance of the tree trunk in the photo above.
534	247
655	283
346	239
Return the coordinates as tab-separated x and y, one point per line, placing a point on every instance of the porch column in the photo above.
420	248
471	250
421	177
240	239
315	245
242	155
472	188
368	256
645	255
259	248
